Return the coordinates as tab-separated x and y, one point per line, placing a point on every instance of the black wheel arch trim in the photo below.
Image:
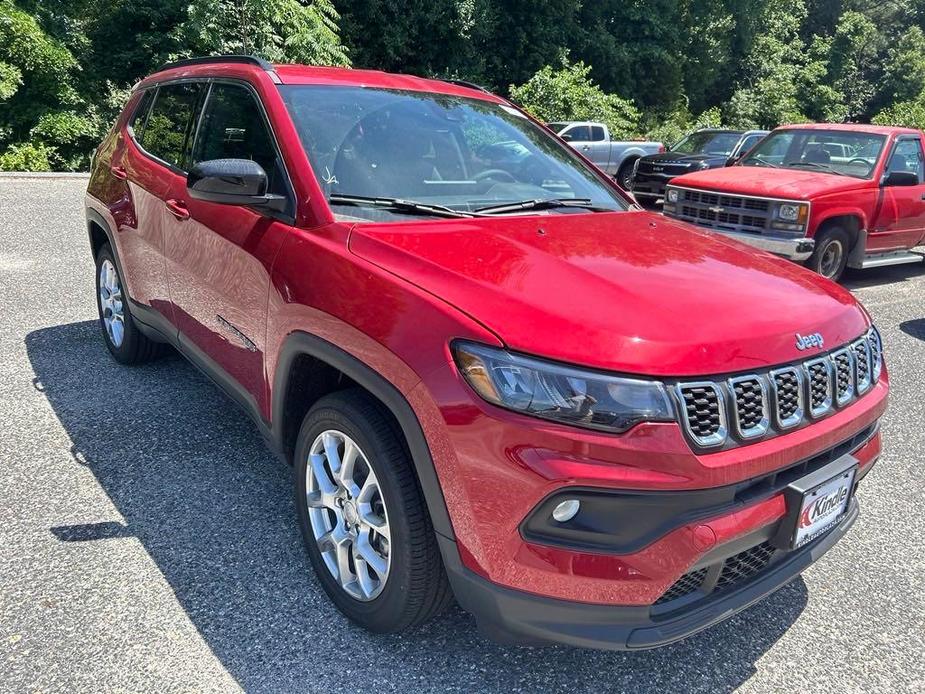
301	343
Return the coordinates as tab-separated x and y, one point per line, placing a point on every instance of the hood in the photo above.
630	291
790	184
676	158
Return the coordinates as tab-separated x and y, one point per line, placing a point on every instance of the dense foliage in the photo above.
646	67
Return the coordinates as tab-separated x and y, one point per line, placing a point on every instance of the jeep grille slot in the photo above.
844	376
770	403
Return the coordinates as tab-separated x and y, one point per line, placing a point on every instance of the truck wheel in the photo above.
830	254
363	518
625	174
127	344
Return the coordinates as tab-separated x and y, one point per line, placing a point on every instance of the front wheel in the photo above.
625	175
363	517
830	254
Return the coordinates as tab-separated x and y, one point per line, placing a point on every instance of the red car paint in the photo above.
599	290
892	216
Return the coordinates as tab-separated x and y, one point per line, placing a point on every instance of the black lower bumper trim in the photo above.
514	617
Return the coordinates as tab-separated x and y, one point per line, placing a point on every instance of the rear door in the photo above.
600	149
900	216
219	256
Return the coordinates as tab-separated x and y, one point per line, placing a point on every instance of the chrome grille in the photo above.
724	212
772	402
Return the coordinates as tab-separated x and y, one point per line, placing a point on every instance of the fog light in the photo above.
566	510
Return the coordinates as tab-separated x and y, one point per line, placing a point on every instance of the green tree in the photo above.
904	69
852	62
568	93
300	31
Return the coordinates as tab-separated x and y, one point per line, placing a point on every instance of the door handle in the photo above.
586	148
177	209
119	172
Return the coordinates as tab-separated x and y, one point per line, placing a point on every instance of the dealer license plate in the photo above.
823	507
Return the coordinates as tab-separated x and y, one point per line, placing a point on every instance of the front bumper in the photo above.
798	249
510	616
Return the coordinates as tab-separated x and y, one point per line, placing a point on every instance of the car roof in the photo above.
314	75
851	127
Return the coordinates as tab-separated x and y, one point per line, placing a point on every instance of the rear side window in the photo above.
597	133
233	127
168	127
137	123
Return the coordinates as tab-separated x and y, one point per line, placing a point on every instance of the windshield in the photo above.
444	152
841	152
708	142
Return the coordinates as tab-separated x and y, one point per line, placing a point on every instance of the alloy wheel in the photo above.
347	514
112	310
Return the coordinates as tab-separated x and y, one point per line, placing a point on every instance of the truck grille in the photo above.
768	403
724	212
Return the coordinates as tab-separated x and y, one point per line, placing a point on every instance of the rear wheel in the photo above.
126	343
363	517
830	254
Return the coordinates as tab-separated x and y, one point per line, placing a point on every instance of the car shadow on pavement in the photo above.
194	483
889	274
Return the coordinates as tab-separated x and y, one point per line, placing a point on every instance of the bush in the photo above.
670	128
569	94
27	156
905	114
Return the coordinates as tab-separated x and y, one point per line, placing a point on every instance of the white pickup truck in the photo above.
615	158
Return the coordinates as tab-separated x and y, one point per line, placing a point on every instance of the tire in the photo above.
127	344
413	588
625	175
830	254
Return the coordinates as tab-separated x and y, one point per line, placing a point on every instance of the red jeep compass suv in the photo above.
496	378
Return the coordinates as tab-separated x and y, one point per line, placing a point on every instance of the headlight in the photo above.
792	212
561	393
672	195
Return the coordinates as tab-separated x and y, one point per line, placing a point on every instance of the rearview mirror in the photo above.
900	178
232	182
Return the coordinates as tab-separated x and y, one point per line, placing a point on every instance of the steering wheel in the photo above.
495	173
858	160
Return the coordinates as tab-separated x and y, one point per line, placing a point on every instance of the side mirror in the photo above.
734	159
568	137
232	182
900	178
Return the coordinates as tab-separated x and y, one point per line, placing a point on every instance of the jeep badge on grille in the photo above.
807	341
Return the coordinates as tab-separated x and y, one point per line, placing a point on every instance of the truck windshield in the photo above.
381	154
708	142
840	152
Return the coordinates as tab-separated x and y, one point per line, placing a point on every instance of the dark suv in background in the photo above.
702	149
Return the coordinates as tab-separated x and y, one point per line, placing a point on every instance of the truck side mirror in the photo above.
734	159
568	137
900	178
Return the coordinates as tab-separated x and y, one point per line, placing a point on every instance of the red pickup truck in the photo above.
832	196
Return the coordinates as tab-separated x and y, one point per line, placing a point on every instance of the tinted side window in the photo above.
137	124
750	142
597	133
168	127
907	156
233	127
580	133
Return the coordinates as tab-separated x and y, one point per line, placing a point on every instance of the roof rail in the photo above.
470	85
205	60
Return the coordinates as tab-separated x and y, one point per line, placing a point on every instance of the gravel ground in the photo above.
147	538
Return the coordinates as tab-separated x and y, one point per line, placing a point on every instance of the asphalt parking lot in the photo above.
147	538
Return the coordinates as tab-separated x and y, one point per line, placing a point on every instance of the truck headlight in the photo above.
560	393
672	195
792	212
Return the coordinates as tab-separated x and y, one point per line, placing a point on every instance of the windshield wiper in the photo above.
543	204
760	162
816	165
408	206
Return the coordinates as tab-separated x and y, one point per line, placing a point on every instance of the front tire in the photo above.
625	175
830	254
363	518
127	344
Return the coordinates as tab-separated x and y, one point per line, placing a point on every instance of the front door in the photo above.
219	256
899	221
